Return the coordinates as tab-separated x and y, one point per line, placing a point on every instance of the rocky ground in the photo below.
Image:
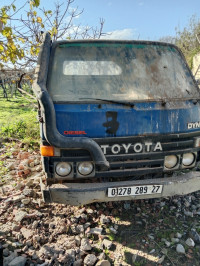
143	232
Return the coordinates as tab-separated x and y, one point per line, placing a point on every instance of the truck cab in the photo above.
120	120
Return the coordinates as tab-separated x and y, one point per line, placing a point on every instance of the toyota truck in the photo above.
119	120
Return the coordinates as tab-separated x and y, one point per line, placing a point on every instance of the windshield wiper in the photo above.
110	101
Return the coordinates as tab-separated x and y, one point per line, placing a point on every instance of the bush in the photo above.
18	120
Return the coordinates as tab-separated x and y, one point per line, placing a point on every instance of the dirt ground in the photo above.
144	232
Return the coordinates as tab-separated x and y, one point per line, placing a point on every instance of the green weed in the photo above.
18	120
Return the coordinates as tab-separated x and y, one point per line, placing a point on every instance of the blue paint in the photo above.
144	118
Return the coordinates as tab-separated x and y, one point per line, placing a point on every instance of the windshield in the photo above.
118	71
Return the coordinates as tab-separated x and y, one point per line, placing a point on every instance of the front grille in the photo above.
133	164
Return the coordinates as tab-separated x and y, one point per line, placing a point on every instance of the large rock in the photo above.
27	233
9	259
104	219
90	259
5	228
190	242
20	215
107	243
180	249
85	244
95	231
18	261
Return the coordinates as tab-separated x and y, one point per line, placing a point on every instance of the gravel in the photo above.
113	233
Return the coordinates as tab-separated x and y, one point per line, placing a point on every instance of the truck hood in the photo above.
115	120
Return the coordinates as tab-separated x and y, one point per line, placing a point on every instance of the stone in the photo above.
29	243
90	211
180	249
187	213
189	242
18	261
20	215
35	224
71	252
90	259
175	240
113	230
161	259
18	198
86	225
102	256
107	243
85	244
5	228
27	233
95	231
167	243
6	252
28	192
34	256
103	263
38	168
84	216
31	164
151	237
11	166
178	235
36	238
15	227
195	236
127	206
164	251
78	262
134	257
26	201
152	251
80	228
104	219
187	204
23	155
8	259
78	240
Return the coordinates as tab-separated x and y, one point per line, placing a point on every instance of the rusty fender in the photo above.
85	193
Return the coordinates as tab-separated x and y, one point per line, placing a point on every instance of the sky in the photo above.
136	19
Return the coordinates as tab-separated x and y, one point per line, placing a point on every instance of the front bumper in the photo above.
85	193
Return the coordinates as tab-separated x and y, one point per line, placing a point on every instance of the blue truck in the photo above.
120	120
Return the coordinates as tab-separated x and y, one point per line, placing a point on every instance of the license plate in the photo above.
134	190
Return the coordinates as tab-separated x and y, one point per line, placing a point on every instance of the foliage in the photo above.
21	31
18	120
187	39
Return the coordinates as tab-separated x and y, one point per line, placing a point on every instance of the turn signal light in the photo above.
47	150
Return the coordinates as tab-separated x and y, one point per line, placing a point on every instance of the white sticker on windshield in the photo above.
91	68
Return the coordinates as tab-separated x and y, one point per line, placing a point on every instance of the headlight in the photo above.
85	168
63	168
171	161
188	159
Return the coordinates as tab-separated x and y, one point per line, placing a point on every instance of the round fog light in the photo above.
188	159
63	168
171	161
85	168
